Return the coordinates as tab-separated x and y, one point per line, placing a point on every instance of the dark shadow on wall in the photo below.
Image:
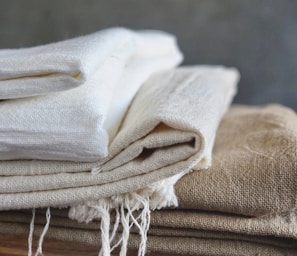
258	37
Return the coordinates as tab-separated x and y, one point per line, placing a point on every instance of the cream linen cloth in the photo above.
169	128
87	84
245	204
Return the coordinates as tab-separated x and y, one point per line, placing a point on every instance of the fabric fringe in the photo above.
30	238
126	216
42	236
130	209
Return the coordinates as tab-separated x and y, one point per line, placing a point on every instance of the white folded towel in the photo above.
67	64
107	68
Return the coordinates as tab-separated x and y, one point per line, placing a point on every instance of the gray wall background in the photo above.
257	37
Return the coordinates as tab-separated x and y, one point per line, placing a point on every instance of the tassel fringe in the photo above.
131	209
41	238
126	216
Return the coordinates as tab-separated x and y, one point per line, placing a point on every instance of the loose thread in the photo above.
115	228
145	223
126	231
104	228
129	228
30	238
143	226
44	231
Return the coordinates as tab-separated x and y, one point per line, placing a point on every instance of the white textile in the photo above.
87	84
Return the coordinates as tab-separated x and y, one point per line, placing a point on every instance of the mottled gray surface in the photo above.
258	37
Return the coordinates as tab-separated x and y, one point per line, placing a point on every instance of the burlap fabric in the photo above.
254	169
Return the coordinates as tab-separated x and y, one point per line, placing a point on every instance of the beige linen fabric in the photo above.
169	128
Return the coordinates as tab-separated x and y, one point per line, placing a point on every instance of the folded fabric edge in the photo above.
160	243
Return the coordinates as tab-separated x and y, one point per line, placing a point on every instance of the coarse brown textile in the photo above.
254	169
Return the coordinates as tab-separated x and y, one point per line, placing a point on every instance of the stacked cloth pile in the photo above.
101	130
104	124
244	204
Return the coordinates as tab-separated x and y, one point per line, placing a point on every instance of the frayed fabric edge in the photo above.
130	209
126	216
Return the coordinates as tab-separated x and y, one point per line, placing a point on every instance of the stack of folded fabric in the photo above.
104	124
245	204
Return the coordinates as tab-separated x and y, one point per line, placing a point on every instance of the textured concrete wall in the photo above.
258	37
